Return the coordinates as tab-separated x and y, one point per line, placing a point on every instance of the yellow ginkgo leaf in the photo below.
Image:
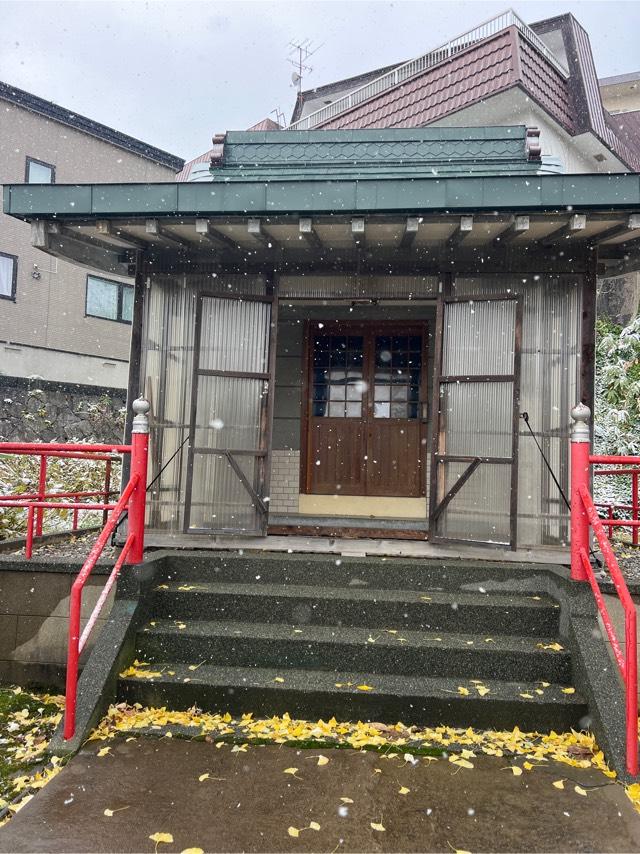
568	690
545	684
195	666
559	784
482	690
239	748
278	679
403	790
516	771
580	791
346	800
527	696
554	646
108	813
292	771
166	838
293	831
192	851
463	691
313	825
364	688
462	763
323	760
378	826
104	751
203	777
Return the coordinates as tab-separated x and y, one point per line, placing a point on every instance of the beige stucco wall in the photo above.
49	311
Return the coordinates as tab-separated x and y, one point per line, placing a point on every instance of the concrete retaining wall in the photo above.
34	611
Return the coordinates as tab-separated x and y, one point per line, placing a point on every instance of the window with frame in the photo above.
39	172
8	275
109	300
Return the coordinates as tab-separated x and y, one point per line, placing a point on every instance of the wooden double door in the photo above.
366	412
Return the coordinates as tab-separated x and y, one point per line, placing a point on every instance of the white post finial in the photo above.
580	429
141	407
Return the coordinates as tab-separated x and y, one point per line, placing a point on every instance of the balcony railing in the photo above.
422	63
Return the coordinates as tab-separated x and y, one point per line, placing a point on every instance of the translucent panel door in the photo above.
230	416
474	472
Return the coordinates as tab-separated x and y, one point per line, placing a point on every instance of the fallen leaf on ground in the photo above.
192	851
365	688
313	825
239	748
554	646
568	690
293	831
403	790
292	771
516	770
322	760
463	691
203	777
278	679
104	751
109	812
377	826
527	696
346	800
580	791
165	838
559	784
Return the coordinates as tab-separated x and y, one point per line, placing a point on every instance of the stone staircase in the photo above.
424	642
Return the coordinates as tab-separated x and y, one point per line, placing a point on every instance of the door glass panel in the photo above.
219	500
228	412
398	366
480	510
338	386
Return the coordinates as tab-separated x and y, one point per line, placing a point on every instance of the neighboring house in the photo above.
59	322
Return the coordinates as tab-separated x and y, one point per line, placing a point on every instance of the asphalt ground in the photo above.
249	801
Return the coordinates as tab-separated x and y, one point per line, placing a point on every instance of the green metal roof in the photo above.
339	196
380	154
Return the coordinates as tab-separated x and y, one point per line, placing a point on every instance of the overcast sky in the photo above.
174	73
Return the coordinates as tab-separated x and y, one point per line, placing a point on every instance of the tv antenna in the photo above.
299	53
280	117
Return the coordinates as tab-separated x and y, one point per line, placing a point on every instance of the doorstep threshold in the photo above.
376	522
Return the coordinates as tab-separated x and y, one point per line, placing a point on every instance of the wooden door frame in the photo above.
436	504
262	454
367	328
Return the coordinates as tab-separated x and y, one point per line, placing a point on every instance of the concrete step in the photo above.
344	571
313	694
334	648
300	605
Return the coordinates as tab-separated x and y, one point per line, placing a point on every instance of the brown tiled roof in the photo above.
472	75
545	84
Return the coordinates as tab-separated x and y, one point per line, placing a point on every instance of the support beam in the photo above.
103	226
464	229
70	233
215	238
520	225
254	230
309	234
576	224
630	227
39	234
152	226
410	232
357	231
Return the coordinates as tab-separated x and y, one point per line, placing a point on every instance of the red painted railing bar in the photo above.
71	447
75	606
606	619
42	488
634	506
107	489
105	593
74	524
23	496
72	455
617	471
64	505
584	517
601	459
132	498
28	546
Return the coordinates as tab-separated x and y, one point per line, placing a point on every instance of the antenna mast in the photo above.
299	53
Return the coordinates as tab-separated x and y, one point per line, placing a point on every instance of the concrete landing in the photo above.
248	803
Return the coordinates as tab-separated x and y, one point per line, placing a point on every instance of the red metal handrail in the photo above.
611	507
43	500
132	501
584	517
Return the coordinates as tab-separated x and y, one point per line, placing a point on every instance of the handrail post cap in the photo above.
141	407
581	415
